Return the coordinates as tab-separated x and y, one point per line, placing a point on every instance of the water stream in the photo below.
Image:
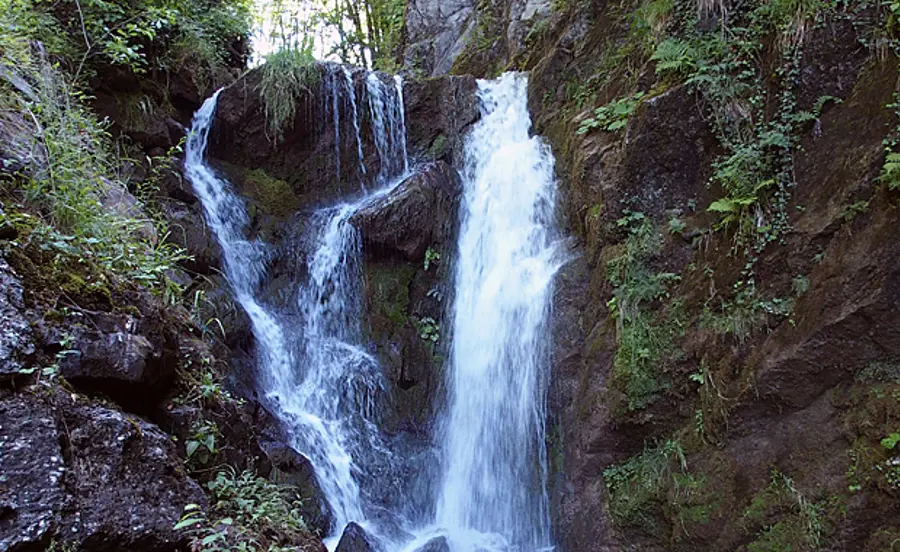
320	378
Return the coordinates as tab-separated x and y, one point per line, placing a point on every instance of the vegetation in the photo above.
637	486
784	519
612	116
71	205
644	341
144	35
247	513
287	77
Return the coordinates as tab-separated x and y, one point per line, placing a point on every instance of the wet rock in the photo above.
118	358
356	539
32	493
418	213
78	472
16	342
437	544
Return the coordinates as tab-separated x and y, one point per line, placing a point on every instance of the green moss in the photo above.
783	520
637	487
438	147
274	197
388	292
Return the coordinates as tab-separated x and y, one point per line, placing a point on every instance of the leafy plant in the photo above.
429	330
287	77
612	116
200	447
247	513
431	256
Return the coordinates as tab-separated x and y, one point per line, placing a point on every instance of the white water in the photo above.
328	389
493	492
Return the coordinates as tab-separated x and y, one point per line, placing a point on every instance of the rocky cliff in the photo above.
725	369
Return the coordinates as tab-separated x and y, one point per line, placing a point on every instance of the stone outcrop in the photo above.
77	471
356	539
419	212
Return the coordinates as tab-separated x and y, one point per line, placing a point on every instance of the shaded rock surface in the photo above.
74	470
418	213
16	342
356	539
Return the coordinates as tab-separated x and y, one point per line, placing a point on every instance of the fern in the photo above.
675	56
890	172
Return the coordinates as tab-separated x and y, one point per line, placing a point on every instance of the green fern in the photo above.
675	56
890	172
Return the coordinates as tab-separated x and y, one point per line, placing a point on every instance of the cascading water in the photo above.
388	122
243	261
327	388
493	489
319	378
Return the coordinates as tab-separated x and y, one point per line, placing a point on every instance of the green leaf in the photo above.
192	447
890	442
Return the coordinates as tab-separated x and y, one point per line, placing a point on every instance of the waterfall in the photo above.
389	125
317	373
243	261
317	376
493	491
354	111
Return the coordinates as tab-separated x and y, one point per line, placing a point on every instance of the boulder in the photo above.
437	544
291	467
416	214
74	471
15	332
118	356
356	539
32	492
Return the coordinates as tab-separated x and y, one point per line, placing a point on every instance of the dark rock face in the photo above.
418	213
78	471
439	112
796	393
33	474
122	357
16	342
304	158
355	539
188	230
